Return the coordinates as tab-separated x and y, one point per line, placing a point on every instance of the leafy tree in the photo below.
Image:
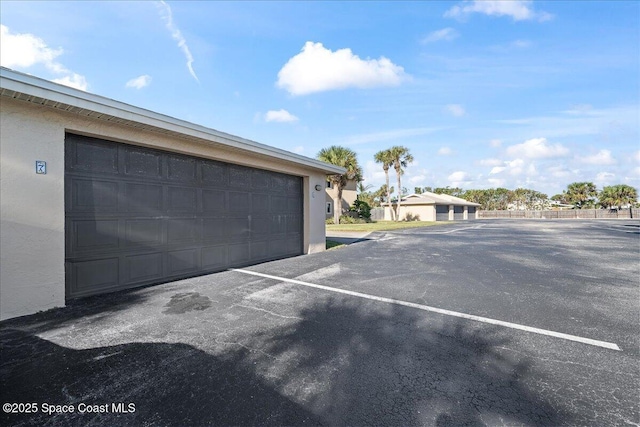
401	159
562	198
380	195
385	157
581	194
617	196
417	190
362	209
346	158
456	192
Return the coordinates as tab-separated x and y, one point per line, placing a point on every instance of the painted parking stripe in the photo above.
588	341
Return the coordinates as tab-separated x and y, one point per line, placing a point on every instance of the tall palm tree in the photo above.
346	158
386	159
616	196
581	194
401	159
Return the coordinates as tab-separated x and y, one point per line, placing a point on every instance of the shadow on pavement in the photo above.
341	363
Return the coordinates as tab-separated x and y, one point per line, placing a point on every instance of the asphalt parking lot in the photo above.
492	322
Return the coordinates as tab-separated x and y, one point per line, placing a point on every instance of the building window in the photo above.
329	184
329	208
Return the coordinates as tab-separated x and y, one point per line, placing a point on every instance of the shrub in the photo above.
329	221
362	209
411	217
346	219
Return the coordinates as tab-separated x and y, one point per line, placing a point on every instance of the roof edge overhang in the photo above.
38	91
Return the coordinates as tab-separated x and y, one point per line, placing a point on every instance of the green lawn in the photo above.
332	244
382	225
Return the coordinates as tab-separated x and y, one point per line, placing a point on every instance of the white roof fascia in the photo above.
40	88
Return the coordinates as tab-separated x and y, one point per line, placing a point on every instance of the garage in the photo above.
100	196
442	213
136	216
458	213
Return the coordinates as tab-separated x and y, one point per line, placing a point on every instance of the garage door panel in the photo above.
278	247
214	228
259	203
98	274
260	227
91	235
182	169
143	197
214	174
278	184
87	195
239	228
183	230
259	250
90	154
182	262
214	201
143	268
136	216
239	177
143	232
143	163
259	180
182	199
239	254
214	257
239	201
278	204
294	223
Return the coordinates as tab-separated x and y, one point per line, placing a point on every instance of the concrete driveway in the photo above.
476	323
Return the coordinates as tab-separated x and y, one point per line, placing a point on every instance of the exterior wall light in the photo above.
318	187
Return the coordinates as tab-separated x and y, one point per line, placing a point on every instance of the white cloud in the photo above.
281	116
459	179
445	151
521	44
298	149
490	162
518	10
537	148
455	110
496	182
139	82
318	69
495	143
636	156
497	169
73	80
418	179
26	50
167	15
602	157
604	178
446	34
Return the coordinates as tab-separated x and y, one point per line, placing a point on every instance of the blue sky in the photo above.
483	93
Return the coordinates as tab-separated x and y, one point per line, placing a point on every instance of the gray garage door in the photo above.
471	212
442	213
136	216
458	213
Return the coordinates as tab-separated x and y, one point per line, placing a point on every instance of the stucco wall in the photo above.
425	212
32	206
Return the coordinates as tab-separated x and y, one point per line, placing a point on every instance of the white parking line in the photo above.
588	341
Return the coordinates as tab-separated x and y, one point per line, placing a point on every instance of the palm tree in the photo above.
617	196
581	194
346	158
401	159
386	159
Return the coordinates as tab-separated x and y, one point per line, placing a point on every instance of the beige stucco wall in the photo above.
349	195
425	212
32	205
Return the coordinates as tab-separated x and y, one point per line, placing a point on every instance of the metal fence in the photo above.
565	214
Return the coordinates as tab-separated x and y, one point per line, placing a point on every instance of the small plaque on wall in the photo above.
41	167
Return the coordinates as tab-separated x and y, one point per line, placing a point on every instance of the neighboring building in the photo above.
434	207
98	196
349	195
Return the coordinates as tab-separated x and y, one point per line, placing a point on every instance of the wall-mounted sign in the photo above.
41	167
